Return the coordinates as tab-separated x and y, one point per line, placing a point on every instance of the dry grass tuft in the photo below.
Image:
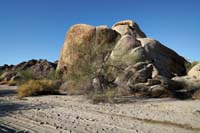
37	87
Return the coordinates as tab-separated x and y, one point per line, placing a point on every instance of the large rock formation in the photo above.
130	45
142	61
34	68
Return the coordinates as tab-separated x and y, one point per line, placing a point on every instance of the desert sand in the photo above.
76	114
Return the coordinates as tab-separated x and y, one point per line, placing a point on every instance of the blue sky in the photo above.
35	29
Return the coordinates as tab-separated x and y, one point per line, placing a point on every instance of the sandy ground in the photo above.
76	114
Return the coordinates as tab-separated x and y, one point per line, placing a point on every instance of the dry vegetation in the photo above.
72	87
105	96
37	87
90	64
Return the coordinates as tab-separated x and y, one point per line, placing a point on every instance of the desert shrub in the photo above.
54	75
25	75
12	83
89	64
189	65
104	96
37	87
71	87
1	72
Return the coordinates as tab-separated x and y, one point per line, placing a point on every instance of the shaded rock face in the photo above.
37	68
166	61
144	63
187	87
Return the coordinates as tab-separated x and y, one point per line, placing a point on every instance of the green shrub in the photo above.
1	72
88	64
25	75
54	75
37	87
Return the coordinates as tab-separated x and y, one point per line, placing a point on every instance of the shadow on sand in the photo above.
7	92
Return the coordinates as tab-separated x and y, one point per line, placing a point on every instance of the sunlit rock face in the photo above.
81	40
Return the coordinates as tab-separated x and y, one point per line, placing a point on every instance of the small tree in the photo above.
90	63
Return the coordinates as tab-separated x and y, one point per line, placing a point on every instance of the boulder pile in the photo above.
34	68
140	65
